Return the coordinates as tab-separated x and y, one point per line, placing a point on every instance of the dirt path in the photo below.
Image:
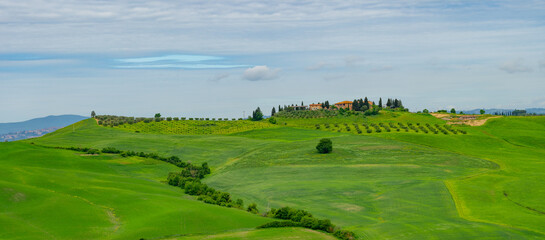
453	119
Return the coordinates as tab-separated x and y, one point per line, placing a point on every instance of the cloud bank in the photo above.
259	73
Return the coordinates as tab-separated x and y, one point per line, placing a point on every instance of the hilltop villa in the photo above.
344	104
315	106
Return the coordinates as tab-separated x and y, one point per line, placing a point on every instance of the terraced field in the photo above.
195	127
397	185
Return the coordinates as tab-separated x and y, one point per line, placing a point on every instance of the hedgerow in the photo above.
193	126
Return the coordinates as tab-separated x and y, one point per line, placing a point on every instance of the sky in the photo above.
226	58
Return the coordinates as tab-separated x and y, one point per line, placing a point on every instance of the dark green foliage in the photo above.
272	120
273	111
93	114
93	151
344	235
452	110
257	115
325	145
110	150
157	115
252	208
425	111
482	111
304	218
280	224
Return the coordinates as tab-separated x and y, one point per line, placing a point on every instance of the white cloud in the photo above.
259	73
515	66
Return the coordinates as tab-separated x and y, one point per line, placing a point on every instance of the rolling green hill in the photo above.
59	194
397	185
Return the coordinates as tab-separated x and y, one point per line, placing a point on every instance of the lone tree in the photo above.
453	110
93	114
257	115
325	145
157	115
273	112
482	111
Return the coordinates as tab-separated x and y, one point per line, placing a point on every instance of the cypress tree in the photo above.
273	112
389	103
257	115
327	104
380	102
366	103
355	105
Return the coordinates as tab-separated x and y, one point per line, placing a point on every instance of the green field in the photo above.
398	185
58	194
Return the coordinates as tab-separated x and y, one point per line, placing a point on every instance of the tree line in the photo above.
300	218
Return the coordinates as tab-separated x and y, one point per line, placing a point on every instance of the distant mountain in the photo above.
500	110
37	126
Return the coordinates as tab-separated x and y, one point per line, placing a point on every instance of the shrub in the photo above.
272	120
252	208
93	151
280	224
110	150
344	235
325	145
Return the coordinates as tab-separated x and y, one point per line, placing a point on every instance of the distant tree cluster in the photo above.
257	115
394	104
514	113
361	105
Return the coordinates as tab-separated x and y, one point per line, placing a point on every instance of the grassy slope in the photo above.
58	194
377	187
267	234
516	144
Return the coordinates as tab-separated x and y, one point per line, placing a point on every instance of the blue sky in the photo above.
220	58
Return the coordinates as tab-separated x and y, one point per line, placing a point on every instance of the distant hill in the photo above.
499	110
50	122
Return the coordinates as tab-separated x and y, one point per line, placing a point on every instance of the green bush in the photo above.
325	145
280	224
344	235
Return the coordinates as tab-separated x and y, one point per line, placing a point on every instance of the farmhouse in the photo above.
315	106
344	104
